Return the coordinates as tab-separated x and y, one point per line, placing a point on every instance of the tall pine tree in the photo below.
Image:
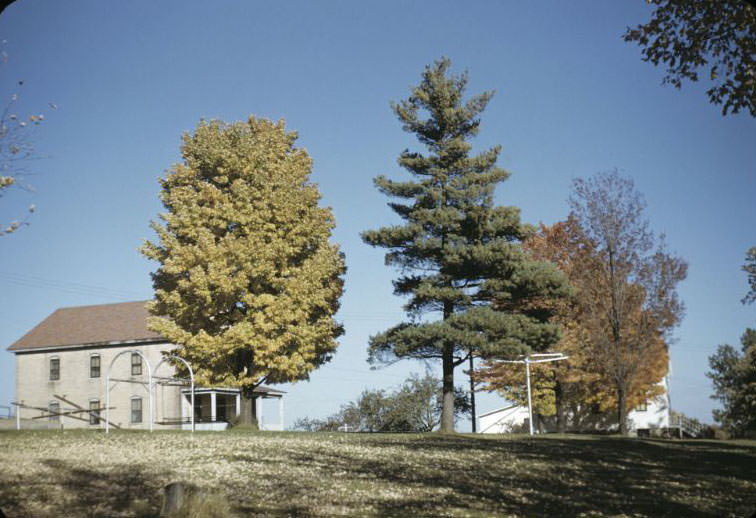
459	255
248	282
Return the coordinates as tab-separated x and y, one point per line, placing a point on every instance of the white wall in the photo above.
504	420
34	387
656	414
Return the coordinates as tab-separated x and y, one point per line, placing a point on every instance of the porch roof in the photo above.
262	391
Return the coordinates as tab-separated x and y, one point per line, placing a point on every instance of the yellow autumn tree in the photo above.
248	282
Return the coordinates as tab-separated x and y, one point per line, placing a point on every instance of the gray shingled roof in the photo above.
89	325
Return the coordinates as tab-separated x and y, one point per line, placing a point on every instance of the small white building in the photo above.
503	420
62	365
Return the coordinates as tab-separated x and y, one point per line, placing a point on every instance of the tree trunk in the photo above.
472	391
561	415
622	410
447	410
447	366
248	413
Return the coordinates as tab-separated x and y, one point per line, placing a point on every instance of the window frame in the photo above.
642	407
54	374
92	357
136	367
134	399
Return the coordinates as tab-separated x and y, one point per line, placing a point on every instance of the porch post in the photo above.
212	407
259	412
238	403
280	412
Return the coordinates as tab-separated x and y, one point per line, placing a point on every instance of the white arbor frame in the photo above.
539	358
107	386
191	382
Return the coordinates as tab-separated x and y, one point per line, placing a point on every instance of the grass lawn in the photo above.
88	474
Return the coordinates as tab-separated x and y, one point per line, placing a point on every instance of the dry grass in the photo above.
85	473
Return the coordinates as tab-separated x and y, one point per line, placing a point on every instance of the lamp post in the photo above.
527	360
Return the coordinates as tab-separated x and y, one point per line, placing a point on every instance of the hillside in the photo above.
85	473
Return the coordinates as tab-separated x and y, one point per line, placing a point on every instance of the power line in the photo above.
365	372
77	288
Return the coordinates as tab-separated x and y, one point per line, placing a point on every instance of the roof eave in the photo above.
114	343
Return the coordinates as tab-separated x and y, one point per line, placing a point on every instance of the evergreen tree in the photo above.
750	268
734	377
459	255
248	282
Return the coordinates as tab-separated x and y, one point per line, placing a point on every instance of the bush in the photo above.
414	407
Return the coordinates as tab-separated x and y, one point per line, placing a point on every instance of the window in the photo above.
136	410
54	409
54	369
94	415
94	366
642	407
136	364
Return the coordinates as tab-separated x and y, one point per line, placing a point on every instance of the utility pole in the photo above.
472	391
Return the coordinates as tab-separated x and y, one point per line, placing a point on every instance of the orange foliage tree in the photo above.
629	292
559	388
586	383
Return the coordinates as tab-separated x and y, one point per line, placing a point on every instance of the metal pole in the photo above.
191	380
472	392
151	388
107	386
542	358
530	402
107	400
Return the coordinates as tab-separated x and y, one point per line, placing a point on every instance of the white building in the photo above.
62	365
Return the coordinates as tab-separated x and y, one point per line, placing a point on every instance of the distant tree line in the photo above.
414	407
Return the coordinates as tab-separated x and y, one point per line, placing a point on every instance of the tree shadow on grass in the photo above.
64	489
566	477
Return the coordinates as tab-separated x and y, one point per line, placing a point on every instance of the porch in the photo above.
215	407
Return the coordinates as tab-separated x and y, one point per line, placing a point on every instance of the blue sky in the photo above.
571	99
